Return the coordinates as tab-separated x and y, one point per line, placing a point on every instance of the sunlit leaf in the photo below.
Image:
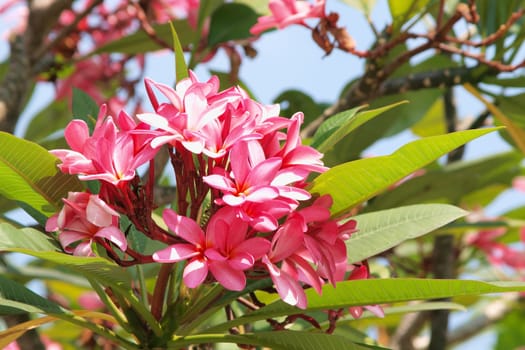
382	230
517	133
375	291
432	123
402	11
181	70
96	268
455	183
12	334
28	173
335	128
27	238
354	182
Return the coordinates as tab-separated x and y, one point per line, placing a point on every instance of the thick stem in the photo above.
159	293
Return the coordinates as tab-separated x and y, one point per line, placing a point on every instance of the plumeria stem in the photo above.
160	290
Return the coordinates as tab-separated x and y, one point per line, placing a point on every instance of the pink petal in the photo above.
184	227
241	261
76	134
195	273
99	213
175	253
114	235
256	247
219	182
229	277
262	193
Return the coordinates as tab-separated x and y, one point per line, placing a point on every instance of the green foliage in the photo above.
354	182
295	100
15	298
382	230
231	21
85	108
283	340
32	175
375	291
454	183
181	70
140	42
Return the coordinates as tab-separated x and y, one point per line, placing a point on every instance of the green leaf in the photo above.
27	238
181	70
282	340
354	182
85	108
49	120
455	183
335	128
231	21
259	6
432	122
295	100
515	131
16	298
375	291
98	269
140	42
28	173
382	230
402	11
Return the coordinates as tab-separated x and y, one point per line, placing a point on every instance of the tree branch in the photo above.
17	81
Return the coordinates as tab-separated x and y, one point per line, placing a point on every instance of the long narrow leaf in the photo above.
283	340
382	230
28	174
375	291
354	182
340	125
16	298
28	238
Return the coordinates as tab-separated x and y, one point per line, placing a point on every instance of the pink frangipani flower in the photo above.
110	154
84	219
288	12
224	250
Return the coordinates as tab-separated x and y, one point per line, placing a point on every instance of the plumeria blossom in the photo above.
325	239
84	219
308	238
110	154
498	253
186	114
288	12
242	208
253	180
224	250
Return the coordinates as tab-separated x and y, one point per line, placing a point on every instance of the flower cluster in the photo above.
242	210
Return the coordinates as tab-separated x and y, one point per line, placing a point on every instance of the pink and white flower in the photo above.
110	154
84	219
288	12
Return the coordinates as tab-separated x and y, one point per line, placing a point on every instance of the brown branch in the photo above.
14	86
410	325
17	82
65	31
